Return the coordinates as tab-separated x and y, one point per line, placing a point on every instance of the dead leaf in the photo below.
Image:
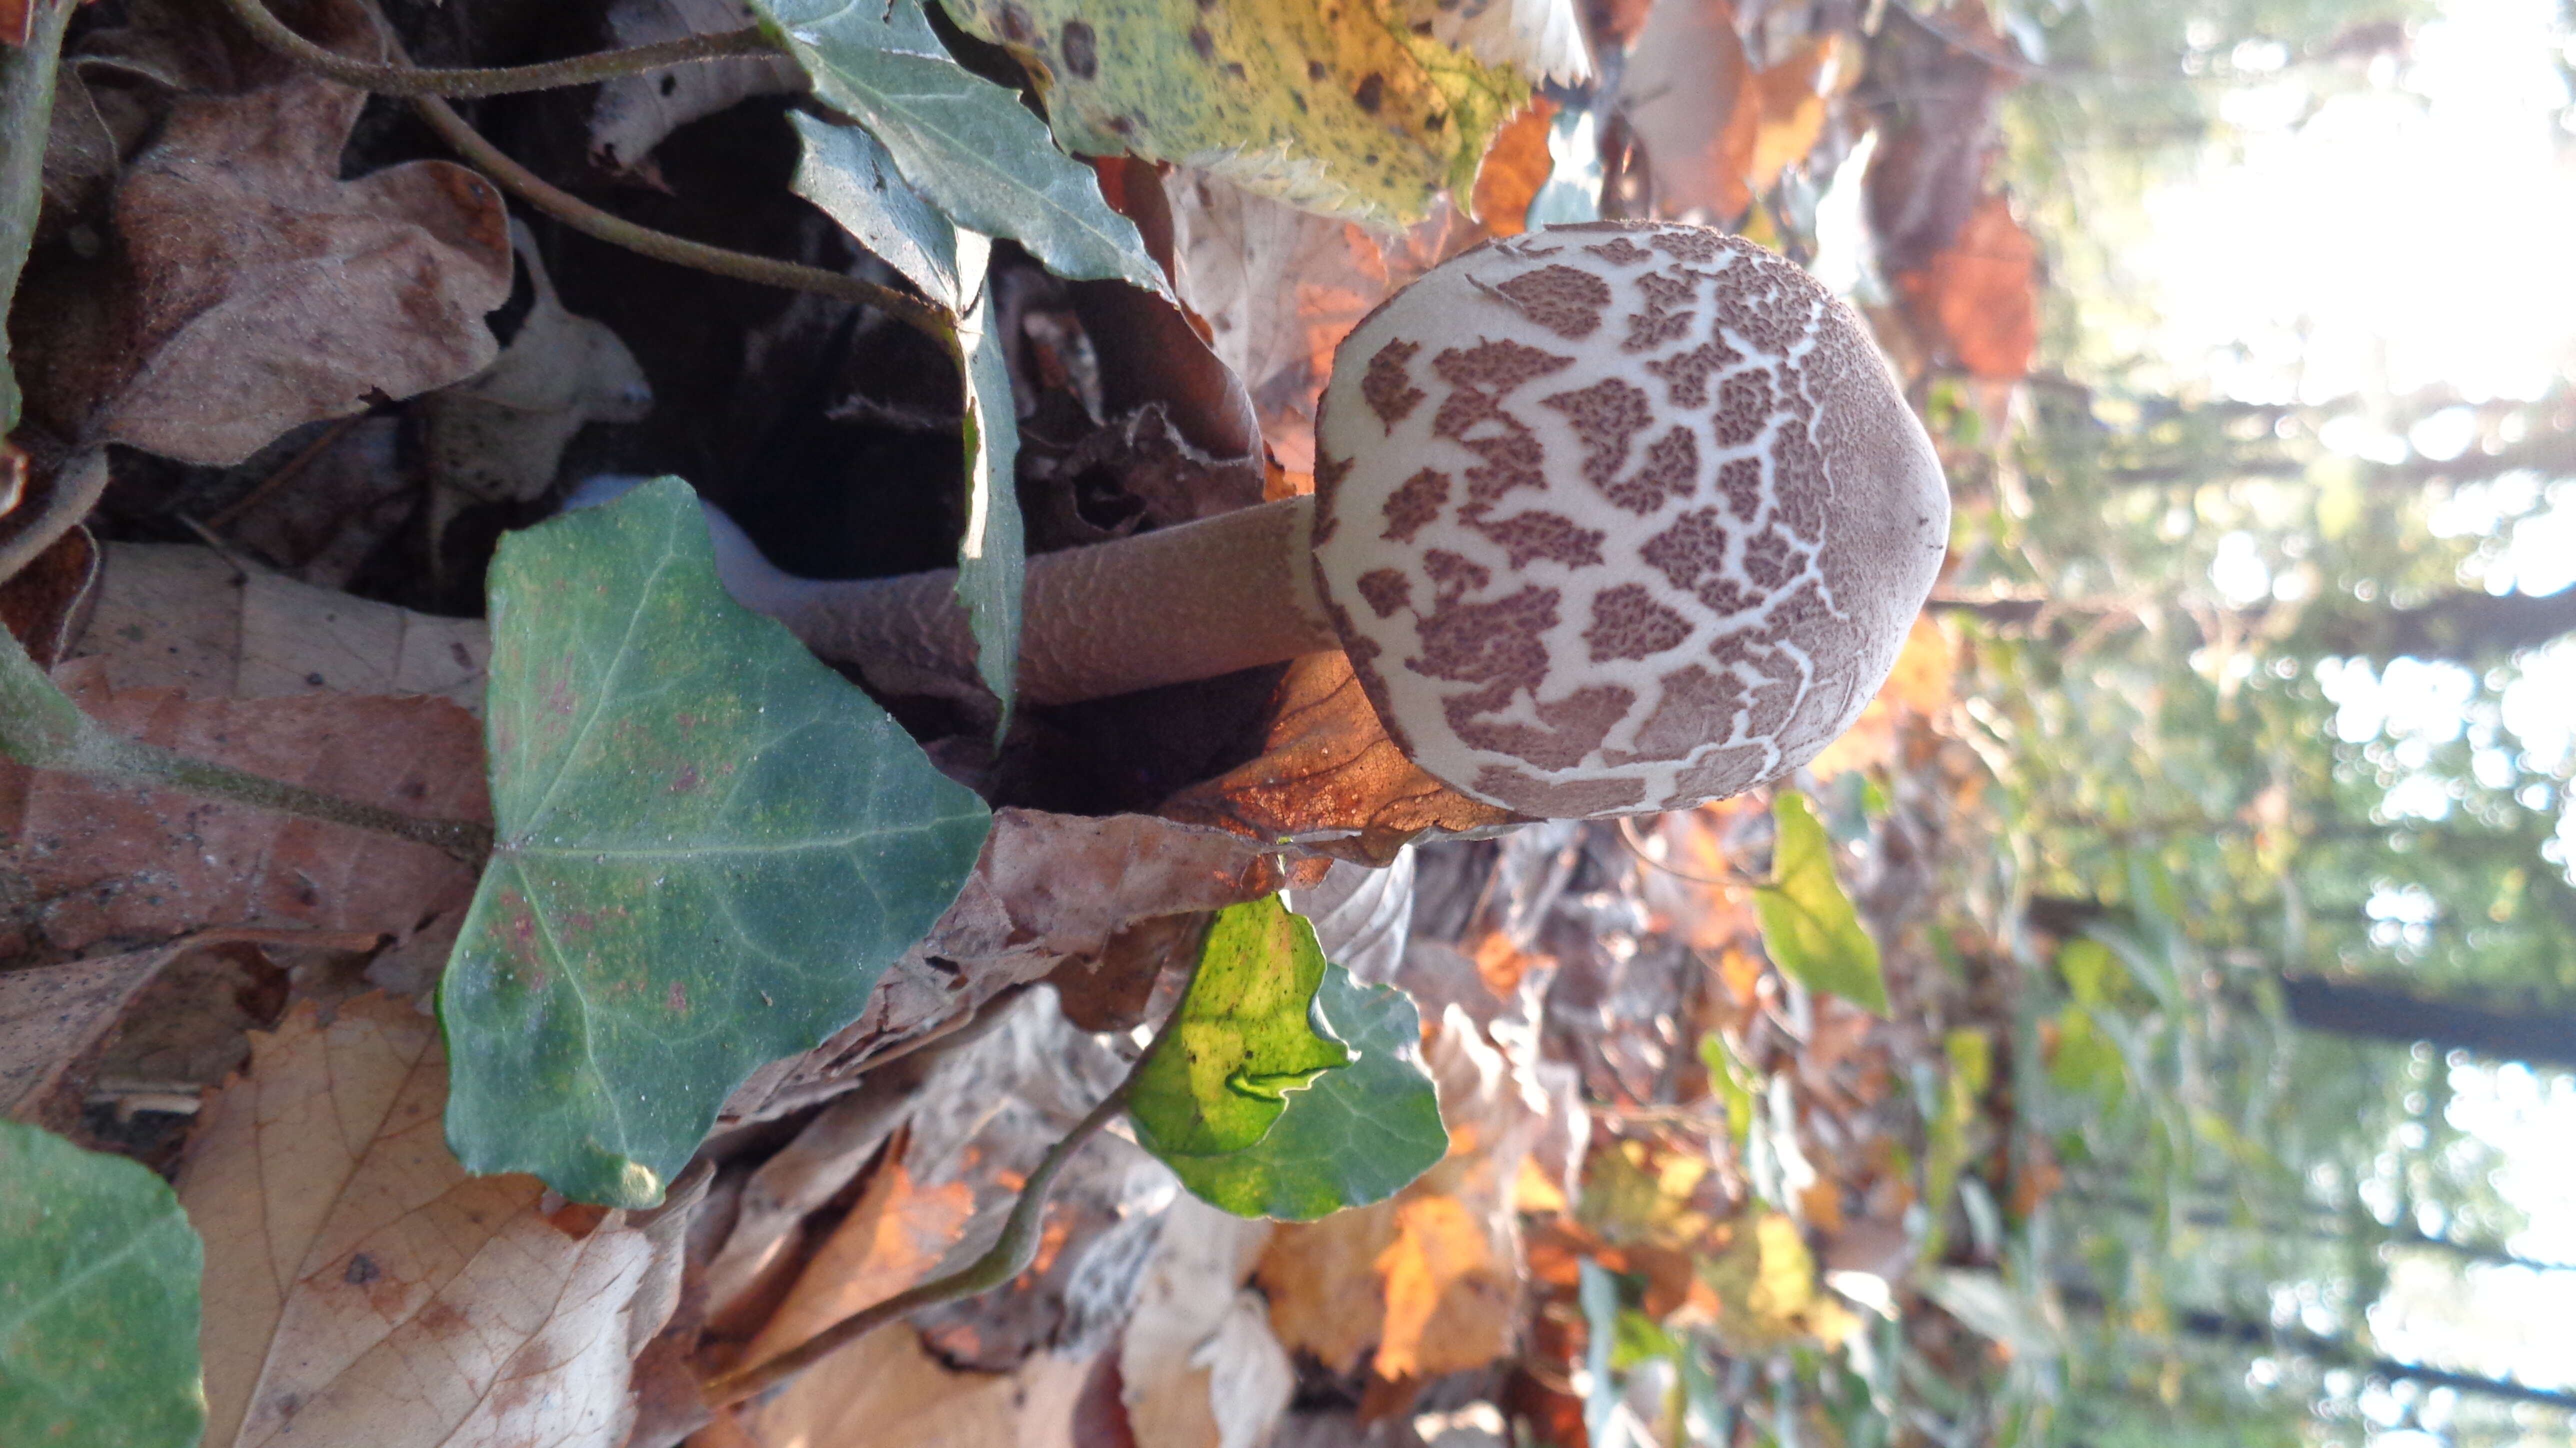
1976	301
895	1237
635	112
43	604
1280	288
106	861
1689	95
1516	165
886	1388
177	616
1793	110
1329	778
250	289
1767	1291
1938	116
361	1287
1198	1365
321	516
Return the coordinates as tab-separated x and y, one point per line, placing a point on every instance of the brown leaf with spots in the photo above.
250	289
104	861
362	1288
1330	778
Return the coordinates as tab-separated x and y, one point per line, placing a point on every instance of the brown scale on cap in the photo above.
1671	571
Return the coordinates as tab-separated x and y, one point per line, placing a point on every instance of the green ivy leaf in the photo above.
1333	105
992	557
1360	1134
710	847
847	173
1808	925
1243	1040
964	142
26	106
98	1300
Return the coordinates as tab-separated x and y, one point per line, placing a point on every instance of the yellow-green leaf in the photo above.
1244	1039
1332	105
1808	926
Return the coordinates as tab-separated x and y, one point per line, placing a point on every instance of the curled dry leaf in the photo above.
360	1287
251	289
98	860
1279	288
1047	889
1329	778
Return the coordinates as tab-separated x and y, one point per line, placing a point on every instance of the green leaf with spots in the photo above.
1243	1040
1808	926
1332	105
1360	1134
98	1300
710	847
992	556
962	141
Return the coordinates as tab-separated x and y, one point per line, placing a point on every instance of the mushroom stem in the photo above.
1165	607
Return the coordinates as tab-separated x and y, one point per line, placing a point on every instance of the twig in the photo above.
41	727
406	80
1007	1258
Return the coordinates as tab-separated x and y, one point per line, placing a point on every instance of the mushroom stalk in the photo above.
1165	607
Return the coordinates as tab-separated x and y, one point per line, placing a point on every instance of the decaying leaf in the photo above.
889	1388
361	1287
1350	112
97	857
1515	170
1280	288
1198	1365
251	289
177	616
1688	93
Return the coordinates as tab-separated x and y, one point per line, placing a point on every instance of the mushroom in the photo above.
1609	518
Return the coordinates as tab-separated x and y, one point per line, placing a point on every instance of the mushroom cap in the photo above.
1619	517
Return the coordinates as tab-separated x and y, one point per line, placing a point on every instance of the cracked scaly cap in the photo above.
1619	517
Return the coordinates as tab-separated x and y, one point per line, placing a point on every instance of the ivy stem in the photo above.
930	321
41	727
404	80
1008	1257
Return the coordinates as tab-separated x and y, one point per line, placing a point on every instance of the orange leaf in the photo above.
892	1239
1515	167
1792	106
1437	1245
1978	297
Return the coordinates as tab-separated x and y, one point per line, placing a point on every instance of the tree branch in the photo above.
405	80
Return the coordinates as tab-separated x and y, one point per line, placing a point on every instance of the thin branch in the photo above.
405	80
1008	1257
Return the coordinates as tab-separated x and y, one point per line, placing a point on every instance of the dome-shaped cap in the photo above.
1619	517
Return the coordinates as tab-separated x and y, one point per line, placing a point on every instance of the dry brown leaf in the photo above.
1936	146
1977	300
172	615
361	1287
1516	165
1198	1365
1329	778
41	604
1429	1278
804	1175
106	861
1793	109
887	1388
1689	95
893	1238
1279	288
252	290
